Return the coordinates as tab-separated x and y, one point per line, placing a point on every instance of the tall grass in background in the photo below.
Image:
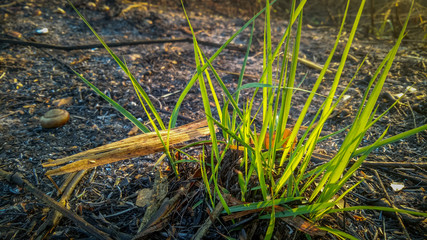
280	178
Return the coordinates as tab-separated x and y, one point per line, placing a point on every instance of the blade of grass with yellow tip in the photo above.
142	95
123	66
190	84
310	144
215	157
338	165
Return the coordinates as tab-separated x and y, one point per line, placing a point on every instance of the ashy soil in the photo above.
35	79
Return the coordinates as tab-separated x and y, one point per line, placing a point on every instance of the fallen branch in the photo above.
230	46
67	189
117	44
131	147
17	178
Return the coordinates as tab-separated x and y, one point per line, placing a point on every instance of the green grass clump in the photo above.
280	178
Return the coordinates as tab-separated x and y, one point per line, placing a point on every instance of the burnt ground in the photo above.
33	79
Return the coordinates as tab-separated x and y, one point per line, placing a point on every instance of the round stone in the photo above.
54	118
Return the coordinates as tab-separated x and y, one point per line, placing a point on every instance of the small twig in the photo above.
68	178
36	178
415	121
18	179
10	4
153	97
208	222
414	178
179	115
394	164
7	115
311	64
384	232
399	218
67	188
54	184
121	212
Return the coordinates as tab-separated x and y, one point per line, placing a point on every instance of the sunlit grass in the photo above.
277	178
280	178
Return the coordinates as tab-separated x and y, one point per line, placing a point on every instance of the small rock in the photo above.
42	31
54	118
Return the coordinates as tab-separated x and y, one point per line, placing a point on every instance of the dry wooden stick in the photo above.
394	164
117	44
67	188
18	179
399	218
413	178
68	178
311	64
131	147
